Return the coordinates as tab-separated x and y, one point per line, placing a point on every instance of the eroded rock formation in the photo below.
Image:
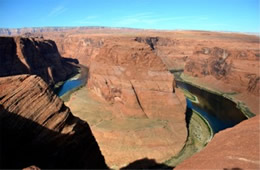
21	55
234	148
131	76
148	113
38	129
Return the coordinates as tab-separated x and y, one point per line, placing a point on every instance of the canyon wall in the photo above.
82	47
227	63
38	129
23	55
131	76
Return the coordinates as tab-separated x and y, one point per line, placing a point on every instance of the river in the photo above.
73	83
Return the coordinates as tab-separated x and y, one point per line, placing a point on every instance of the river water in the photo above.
220	112
73	84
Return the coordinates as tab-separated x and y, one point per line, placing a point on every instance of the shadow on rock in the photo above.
24	142
146	163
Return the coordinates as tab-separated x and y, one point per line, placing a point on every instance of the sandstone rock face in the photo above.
84	47
130	77
237	147
224	64
38	129
20	55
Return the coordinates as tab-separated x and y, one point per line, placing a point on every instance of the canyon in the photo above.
132	111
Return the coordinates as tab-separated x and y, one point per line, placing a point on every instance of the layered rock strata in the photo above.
130	75
135	82
38	129
21	55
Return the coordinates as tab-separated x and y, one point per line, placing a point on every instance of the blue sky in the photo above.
219	15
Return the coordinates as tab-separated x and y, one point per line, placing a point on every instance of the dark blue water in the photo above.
215	123
69	85
221	113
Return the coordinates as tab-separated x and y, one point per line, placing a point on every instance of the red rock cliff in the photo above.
131	76
38	129
20	55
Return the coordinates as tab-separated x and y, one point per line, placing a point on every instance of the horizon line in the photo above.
133	28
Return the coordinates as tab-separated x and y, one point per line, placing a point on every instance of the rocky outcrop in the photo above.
217	64
38	129
131	75
234	148
21	55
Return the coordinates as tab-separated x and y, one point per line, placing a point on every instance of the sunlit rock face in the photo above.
129	76
23	55
237	147
38	129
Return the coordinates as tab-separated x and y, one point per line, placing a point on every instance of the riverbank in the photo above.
200	134
230	95
73	84
201	125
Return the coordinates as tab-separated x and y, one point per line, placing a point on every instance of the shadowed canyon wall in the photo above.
38	129
21	55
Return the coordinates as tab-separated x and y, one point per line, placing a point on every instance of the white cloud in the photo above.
151	19
87	20
57	11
